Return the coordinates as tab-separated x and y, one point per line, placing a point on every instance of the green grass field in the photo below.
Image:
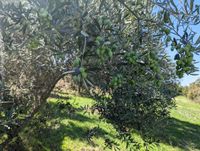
67	130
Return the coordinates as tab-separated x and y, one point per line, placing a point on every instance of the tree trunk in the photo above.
14	133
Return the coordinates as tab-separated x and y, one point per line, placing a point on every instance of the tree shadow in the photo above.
181	134
64	110
57	96
57	135
57	131
177	133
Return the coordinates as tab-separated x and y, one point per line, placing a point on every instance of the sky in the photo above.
187	79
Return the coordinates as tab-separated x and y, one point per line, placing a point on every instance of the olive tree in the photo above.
115	49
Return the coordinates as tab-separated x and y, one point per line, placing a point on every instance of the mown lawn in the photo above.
62	127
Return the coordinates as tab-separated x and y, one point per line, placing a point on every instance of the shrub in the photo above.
193	91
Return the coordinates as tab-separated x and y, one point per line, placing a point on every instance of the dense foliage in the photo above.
114	49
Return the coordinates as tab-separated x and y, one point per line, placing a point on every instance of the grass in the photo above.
61	129
184	126
67	131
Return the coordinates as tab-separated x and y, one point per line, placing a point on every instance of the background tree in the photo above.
193	91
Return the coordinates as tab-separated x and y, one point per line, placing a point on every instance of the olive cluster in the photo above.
184	59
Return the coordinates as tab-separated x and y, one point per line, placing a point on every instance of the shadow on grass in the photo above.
52	136
181	134
64	111
178	133
57	96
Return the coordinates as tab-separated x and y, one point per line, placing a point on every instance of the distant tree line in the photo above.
193	91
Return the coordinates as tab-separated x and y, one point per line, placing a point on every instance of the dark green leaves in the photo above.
132	57
117	81
197	41
166	17
191	5
77	62
174	5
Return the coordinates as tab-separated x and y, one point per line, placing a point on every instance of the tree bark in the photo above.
14	133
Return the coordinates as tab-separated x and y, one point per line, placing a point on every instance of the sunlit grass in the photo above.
69	132
184	128
186	110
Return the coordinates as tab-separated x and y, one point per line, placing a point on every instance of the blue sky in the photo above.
187	79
